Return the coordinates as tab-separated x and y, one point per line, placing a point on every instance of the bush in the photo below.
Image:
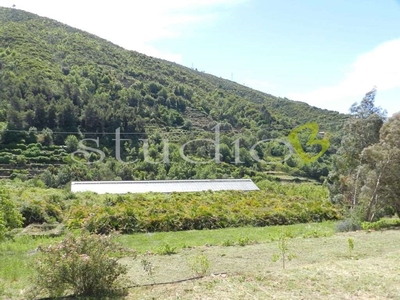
109	219
9	216
381	224
166	249
41	159
40	211
21	160
85	265
6	158
199	264
351	222
348	224
21	146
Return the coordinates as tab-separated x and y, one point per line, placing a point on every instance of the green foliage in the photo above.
58	79
108	219
85	265
276	204
71	143
381	168
347	225
350	244
348	174
9	215
284	253
41	211
228	243
147	266
244	240
188	211
351	221
166	249
381	224
366	169
199	264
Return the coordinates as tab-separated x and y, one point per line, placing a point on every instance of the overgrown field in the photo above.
274	204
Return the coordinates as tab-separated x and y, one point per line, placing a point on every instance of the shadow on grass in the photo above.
110	297
120	295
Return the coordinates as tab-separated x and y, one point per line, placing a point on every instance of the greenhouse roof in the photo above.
163	186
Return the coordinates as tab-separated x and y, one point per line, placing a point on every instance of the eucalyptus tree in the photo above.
360	132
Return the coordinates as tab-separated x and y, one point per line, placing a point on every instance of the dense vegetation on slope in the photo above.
56	81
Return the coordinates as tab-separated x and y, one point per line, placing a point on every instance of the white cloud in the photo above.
134	25
379	67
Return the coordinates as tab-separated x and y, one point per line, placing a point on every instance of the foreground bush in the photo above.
85	266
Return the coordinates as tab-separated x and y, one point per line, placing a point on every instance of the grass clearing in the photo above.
143	242
322	269
16	256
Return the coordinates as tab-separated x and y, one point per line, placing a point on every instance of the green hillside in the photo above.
57	81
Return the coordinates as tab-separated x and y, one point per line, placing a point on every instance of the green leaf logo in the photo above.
294	140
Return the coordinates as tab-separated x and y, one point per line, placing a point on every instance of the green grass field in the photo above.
323	267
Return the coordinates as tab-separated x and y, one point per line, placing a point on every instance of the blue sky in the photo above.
327	53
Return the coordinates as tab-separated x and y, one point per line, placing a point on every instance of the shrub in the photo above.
40	211
108	219
351	222
21	160
9	216
31	151
21	146
166	249
228	243
381	224
16	151
6	158
199	264
348	224
85	265
243	241
41	159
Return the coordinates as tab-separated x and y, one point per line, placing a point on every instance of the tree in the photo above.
71	142
360	131
47	137
380	171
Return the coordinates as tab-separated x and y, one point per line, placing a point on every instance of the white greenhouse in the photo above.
163	186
